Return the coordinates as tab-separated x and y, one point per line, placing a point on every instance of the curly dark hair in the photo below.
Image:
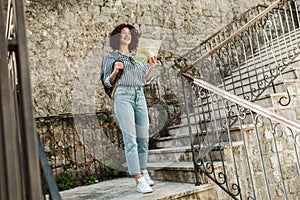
114	41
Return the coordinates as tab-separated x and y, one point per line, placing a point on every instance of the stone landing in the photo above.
124	189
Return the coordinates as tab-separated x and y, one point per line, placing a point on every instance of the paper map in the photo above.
147	48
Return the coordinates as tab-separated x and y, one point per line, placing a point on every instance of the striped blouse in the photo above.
134	71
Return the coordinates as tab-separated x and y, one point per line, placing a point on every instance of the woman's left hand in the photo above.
152	61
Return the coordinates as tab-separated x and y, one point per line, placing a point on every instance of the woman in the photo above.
130	106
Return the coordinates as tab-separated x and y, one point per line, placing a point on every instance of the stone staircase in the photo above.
171	165
172	160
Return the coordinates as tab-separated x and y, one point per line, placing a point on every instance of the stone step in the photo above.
172	171
293	86
182	129
171	154
291	113
181	154
184	139
172	141
293	98
124	188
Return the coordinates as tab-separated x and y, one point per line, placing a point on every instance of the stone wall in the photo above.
67	39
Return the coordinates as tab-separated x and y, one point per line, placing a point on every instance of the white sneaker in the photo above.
143	186
148	178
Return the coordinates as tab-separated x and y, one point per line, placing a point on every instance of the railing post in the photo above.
27	130
53	190
198	179
10	168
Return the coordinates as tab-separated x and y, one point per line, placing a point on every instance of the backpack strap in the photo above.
116	56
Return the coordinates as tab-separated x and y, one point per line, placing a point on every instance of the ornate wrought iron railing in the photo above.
82	147
222	34
234	63
19	166
242	147
256	159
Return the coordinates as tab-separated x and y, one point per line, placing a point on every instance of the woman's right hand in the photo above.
118	66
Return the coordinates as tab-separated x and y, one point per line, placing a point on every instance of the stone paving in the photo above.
124	188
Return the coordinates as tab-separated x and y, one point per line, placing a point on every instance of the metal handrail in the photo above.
226	27
232	36
246	104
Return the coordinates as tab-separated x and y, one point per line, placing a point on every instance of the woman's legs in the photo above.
131	112
123	107
132	115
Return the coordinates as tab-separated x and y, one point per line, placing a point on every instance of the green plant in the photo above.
110	119
90	180
64	181
112	172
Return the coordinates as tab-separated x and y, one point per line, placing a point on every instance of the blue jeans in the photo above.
132	115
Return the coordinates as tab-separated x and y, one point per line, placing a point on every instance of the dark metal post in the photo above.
27	131
19	161
53	190
10	171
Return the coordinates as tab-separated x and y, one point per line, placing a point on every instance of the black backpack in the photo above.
109	90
